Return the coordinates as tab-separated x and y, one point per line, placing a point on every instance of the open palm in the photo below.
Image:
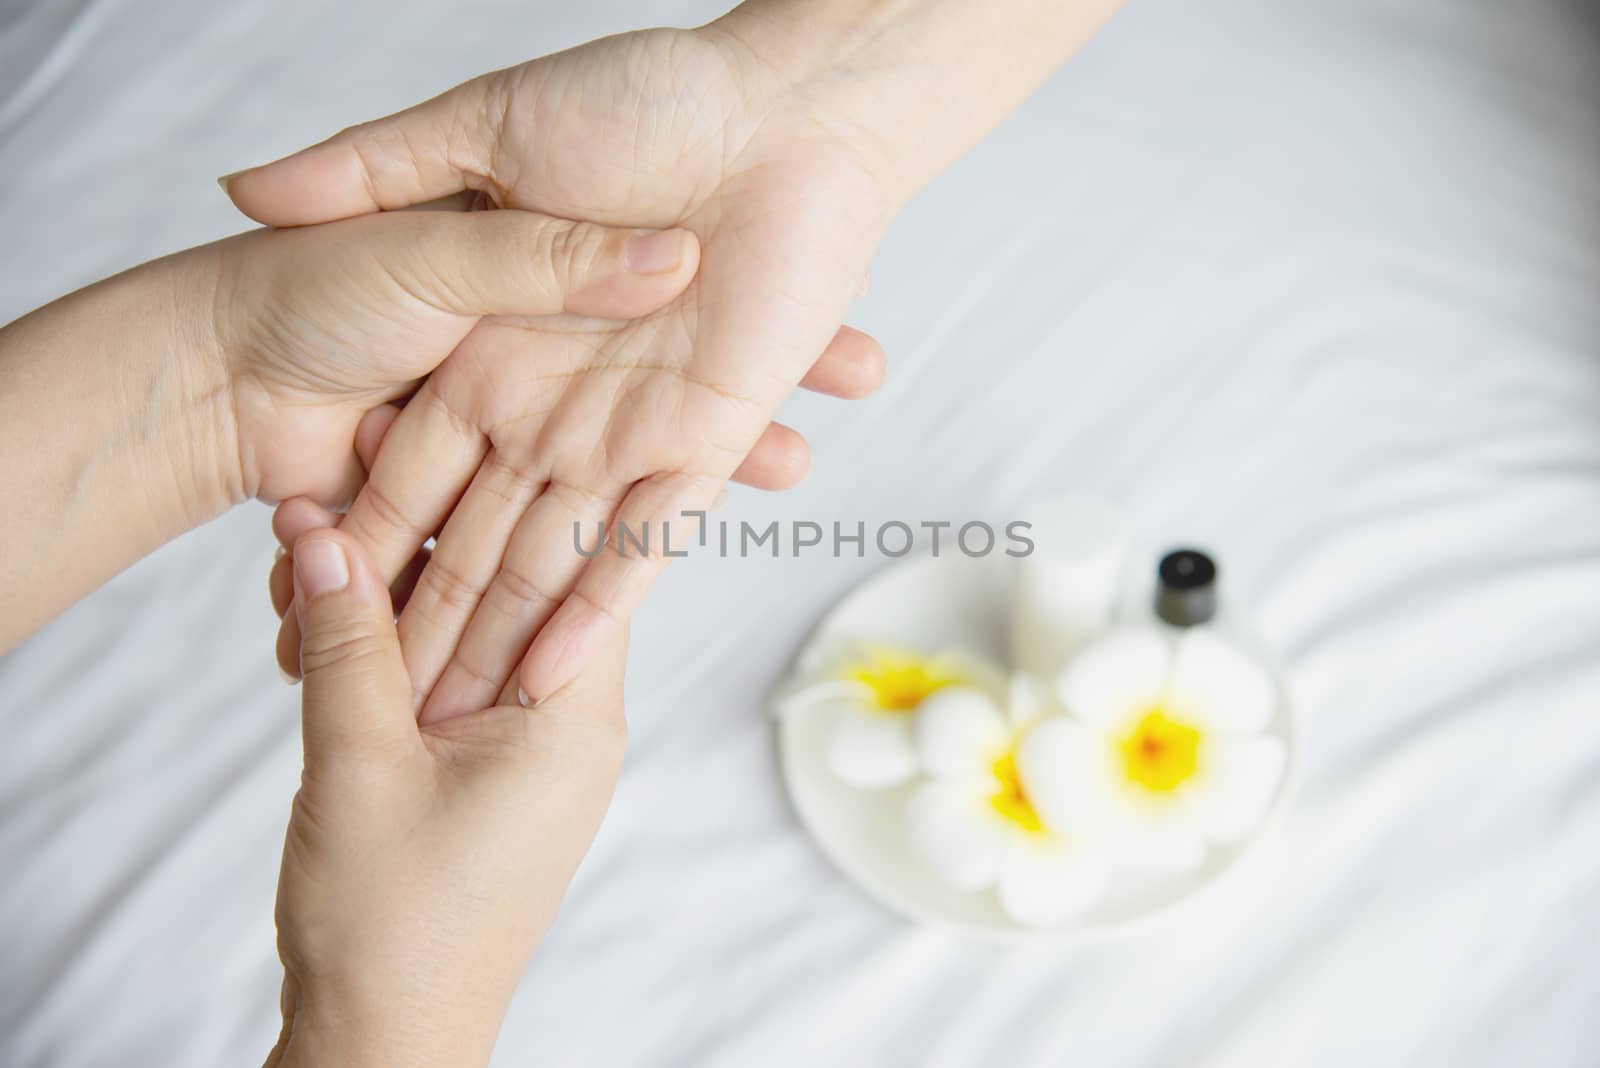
635	424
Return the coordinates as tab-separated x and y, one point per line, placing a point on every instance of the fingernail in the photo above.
279	554
523	699
320	567
226	178
656	253
288	679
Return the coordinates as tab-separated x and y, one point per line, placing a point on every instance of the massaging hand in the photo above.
322	326
421	865
244	369
636	423
143	405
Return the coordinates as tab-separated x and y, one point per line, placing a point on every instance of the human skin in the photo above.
785	135
421	863
420	866
144	405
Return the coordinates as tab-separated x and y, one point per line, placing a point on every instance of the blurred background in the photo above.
1316	285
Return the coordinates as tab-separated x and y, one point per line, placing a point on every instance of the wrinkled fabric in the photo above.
1315	285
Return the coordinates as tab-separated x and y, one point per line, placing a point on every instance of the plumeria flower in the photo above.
973	821
1161	746
874	690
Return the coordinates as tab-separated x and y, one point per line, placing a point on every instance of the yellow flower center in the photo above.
1161	754
900	681
1011	801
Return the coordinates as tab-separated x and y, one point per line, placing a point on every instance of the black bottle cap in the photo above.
1187	591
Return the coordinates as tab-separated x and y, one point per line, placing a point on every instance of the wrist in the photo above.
204	448
918	82
787	76
323	1027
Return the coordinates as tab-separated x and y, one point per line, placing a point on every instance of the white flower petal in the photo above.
1027	702
1117	677
959	734
1074	780
836	662
1046	884
870	750
1064	770
962	841
1238	781
979	672
1218	686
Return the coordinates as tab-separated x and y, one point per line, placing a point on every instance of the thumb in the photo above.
357	699
511	262
436	148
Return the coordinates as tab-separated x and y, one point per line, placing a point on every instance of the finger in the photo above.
524	263
371	430
598	689
465	560
428	457
287	647
851	367
357	697
539	569
612	584
291	519
778	460
280	583
436	148
300	515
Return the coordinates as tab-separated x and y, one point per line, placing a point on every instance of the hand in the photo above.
319	326
146	404
645	421
422	865
358	312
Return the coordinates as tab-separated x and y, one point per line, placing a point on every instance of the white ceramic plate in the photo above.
953	600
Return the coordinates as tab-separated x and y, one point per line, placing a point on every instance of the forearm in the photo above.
921	81
114	427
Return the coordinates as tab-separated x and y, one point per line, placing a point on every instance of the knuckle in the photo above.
341	646
449	586
387	513
575	251
576	498
523	591
602	605
508	480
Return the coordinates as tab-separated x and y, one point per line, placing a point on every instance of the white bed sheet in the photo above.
1316	284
